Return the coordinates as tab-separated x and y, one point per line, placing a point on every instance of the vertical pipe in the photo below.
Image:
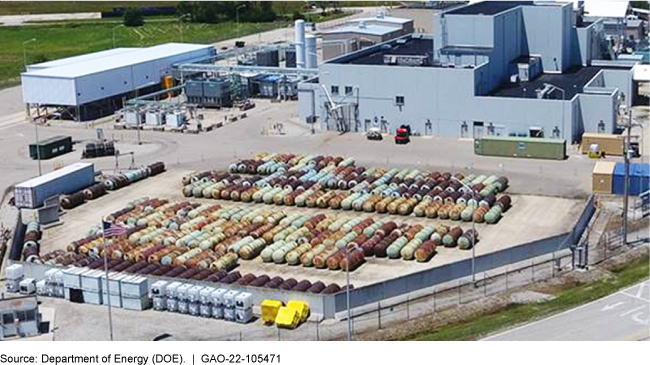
300	43
626	147
108	292
311	58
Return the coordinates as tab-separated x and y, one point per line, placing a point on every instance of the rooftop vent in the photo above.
406	60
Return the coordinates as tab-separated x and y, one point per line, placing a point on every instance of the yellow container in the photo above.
270	310
301	307
287	318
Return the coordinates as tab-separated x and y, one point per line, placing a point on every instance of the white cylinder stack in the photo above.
300	43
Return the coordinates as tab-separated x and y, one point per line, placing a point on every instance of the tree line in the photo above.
218	11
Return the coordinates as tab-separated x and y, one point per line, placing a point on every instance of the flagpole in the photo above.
108	291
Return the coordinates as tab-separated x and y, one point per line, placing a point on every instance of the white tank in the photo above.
310	51
300	43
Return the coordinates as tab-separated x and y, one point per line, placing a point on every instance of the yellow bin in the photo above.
301	307
287	318
270	310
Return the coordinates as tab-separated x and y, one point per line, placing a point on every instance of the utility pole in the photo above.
626	154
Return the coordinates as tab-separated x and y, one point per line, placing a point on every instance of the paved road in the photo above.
622	316
13	20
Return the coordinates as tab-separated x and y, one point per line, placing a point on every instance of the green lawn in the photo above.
513	315
48	7
55	41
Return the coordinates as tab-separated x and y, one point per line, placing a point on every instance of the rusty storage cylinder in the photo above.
246	279
148	269
316	288
188	273
161	271
465	241
369	245
479	214
260	281
488	200
320	261
426	250
175	272
73	200
94	191
289	284
216	276
505	202
302	286
231	277
451	238
331	289
202	275
274	283
334	260
122	266
357	258
136	267
156	168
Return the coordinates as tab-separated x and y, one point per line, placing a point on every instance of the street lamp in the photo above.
25	51
115	27
473	226
237	16
347	287
180	25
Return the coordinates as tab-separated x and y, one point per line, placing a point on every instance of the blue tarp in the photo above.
639	178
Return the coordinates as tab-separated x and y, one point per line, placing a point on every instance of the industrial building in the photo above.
492	68
93	85
363	32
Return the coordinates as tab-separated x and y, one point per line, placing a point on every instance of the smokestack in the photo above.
300	43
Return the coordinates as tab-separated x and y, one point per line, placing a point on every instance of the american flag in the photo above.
112	230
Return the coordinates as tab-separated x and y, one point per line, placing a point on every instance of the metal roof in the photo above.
488	7
523	139
382	18
368	29
606	9
54	175
118	60
81	58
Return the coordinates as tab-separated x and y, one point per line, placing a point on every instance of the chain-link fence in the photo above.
437	299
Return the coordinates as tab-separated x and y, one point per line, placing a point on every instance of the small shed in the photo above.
602	177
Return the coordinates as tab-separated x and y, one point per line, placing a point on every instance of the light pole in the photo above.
180	24
237	16
115	27
473	226
25	51
347	286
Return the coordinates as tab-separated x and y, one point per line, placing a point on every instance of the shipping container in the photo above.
524	147
67	180
51	147
610	144
602	177
639	178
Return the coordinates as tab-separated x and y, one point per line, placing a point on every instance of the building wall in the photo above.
597	107
546	32
48	90
421	18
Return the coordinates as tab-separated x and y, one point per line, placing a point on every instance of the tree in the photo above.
133	18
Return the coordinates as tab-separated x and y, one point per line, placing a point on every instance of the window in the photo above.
8	318
30	315
348	90
399	100
335	90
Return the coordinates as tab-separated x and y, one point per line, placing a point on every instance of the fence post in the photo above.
279	339
408	308
434	300
506	277
532	271
379	315
485	284
459	300
241	336
317	330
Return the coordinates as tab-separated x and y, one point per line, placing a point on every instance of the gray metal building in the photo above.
492	68
93	85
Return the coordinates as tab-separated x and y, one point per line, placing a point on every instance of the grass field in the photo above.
48	7
64	40
513	315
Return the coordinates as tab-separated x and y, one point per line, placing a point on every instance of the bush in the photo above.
133	18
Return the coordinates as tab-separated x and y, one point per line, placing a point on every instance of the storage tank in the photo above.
300	43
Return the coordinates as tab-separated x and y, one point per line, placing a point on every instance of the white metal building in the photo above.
93	85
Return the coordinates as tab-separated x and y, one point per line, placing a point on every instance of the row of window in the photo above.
334	90
23	316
